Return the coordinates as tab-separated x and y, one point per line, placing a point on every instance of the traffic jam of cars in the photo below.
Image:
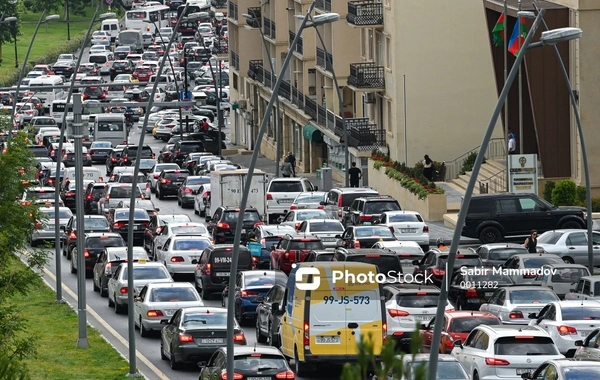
514	310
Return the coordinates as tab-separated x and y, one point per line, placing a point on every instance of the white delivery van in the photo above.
113	28
46	95
89	173
227	188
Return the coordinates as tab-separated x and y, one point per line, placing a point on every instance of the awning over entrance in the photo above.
310	132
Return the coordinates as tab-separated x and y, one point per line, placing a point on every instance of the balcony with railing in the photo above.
285	89
255	70
297	98
324	5
269	29
255	22
299	46
364	136
235	60
218	4
366	76
233	11
310	107
365	13
324	60
269	79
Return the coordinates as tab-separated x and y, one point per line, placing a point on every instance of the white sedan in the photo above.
295	217
324	229
201	199
570	244
406	226
157	302
567	322
171	229
180	254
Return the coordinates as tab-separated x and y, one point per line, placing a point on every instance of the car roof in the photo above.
591	278
512	330
525	287
248	350
469	313
502	245
565	265
369	251
354	190
100	234
124	249
425	358
196	224
146	264
170	284
584	303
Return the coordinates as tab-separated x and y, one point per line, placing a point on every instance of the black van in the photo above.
212	271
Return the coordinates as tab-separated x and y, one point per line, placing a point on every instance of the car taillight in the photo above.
185	338
366	217
495	361
113	159
529	276
156	176
297	225
239	337
123	290
236	376
269	197
566	330
86	253
246	293
207	269
154	313
119	225
73	235
222	225
472	292
437	272
293	207
187	190
321	207
285	375
306	337
426	229
398	313
356	244
89	197
384	332
515	315
69	194
177	259
165	180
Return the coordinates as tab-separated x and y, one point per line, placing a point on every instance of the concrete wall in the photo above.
443	49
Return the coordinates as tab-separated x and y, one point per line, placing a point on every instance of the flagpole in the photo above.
506	125
520	86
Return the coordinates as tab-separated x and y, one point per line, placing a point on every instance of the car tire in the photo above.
202	212
159	194
110	302
205	294
172	362
118	308
475	376
94	286
571	225
152	189
103	292
179	202
224	301
568	260
301	369
143	332
490	235
162	352
73	268
260	338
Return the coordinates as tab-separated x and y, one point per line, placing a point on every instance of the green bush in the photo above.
581	195
548	187
595	204
565	193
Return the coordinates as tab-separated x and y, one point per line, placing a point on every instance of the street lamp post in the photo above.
136	170
218	90
278	126
6	20
57	237
43	19
548	38
317	20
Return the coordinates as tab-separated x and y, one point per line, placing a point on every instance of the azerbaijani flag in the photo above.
498	31
517	37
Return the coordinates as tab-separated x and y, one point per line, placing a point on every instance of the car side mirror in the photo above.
323	203
62	228
194	192
201	364
526	375
579	343
280	219
346	208
532	316
458	343
416	262
272	248
339	243
260	299
338	236
424	327
208	219
137	299
159	247
156	209
164	321
276	307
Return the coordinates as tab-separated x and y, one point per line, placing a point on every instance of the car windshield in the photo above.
309	245
549	237
147	273
398	218
62	214
315	214
446	370
504	253
580	313
380	207
537	262
537	296
189	230
256	362
190	245
582	373
418	300
310	198
386	264
124	192
104	242
129	179
177	176
41	195
198	180
173	295
205	320
137	214
326	226
285	187
92	223
249	216
466	325
525	346
101	144
569	275
374	232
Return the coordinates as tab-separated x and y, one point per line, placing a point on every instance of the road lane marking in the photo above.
111	330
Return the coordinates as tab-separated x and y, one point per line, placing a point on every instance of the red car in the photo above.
291	249
457	326
143	73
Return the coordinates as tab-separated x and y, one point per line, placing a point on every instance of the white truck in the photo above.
227	188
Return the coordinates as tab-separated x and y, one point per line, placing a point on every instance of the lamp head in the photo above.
12	2
219	16
554	36
526	14
105	16
9	19
51	17
247	16
325	18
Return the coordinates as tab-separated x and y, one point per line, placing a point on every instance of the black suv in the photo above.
224	221
91	223
169	181
387	262
120	67
491	217
94	243
366	210
92	194
94	92
129	154
183	148
212	271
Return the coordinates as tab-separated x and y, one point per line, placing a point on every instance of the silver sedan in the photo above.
45	229
324	229
514	304
295	217
160	301
571	245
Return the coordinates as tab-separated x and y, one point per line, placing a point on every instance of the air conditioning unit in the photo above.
242	104
369	98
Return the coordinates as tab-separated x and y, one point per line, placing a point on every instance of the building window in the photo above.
370	42
390	117
388	52
235	81
363	43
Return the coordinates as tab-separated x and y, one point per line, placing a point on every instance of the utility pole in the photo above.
68	20
220	122
82	341
185	85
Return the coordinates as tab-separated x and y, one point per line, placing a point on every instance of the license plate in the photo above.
222	274
177	183
212	341
583	333
521	371
169	313
328	339
192	258
285	201
423	317
489	294
408	230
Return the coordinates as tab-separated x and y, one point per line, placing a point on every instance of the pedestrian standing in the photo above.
428	168
531	242
292	161
512	143
355	175
286	168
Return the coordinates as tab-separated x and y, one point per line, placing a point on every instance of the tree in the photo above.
8	31
17	222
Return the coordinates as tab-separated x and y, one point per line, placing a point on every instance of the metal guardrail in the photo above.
256	22
297	98
310	107
325	60
496	183
269	28
255	70
496	149
362	13
235	60
233	10
285	89
366	75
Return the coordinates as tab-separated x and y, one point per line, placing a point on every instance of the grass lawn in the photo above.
54	327
49	36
